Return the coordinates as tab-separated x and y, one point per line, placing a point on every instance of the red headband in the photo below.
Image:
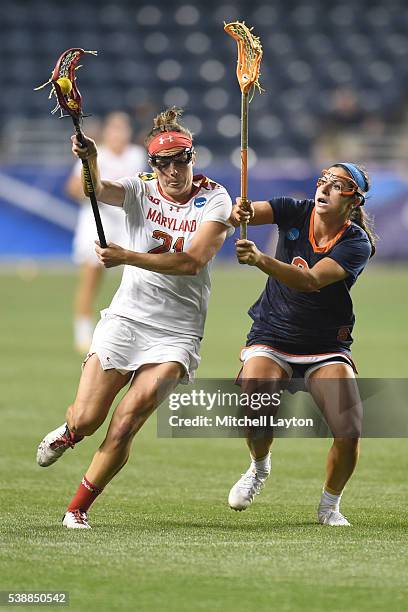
169	140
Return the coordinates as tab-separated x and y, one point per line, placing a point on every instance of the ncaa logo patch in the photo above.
293	233
199	202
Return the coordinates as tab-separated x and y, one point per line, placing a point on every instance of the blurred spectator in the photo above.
340	134
117	157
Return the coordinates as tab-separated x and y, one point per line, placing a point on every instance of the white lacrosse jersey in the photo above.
157	224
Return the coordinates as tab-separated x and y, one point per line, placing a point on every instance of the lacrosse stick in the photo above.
248	64
64	88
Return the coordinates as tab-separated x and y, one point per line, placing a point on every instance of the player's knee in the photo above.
348	428
256	387
349	445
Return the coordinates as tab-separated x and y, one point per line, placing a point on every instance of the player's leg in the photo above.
151	384
335	391
88	284
257	371
96	392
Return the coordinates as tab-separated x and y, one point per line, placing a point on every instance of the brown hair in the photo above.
358	214
166	121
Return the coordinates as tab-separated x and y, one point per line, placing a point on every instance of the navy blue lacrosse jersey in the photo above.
303	323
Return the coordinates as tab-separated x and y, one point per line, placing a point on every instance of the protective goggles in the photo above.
344	186
182	158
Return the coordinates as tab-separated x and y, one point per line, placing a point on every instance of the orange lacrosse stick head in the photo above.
249	55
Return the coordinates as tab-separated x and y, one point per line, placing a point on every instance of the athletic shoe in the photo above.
330	516
54	445
75	519
243	492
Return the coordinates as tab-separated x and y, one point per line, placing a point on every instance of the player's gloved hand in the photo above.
112	256
241	212
247	252
83	152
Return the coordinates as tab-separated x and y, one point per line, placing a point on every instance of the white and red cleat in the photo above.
76	519
54	445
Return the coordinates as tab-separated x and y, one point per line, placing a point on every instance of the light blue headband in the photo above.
356	174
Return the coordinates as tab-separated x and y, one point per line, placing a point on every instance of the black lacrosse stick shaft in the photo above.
89	185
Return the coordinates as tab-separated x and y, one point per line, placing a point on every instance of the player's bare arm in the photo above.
108	192
209	239
253	213
74	188
325	272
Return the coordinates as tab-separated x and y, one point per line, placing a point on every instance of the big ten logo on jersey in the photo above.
209	184
299	262
147	176
152	199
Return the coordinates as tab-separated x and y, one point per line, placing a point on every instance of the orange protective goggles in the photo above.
345	186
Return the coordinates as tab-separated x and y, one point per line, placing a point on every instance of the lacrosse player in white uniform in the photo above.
152	330
117	157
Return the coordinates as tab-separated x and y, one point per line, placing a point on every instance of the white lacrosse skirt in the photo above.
126	345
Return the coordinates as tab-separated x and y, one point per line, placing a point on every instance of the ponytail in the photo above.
167	121
358	214
361	218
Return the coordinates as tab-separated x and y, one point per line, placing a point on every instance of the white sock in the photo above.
83	330
329	501
262	466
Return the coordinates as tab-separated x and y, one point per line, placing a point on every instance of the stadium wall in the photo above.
38	220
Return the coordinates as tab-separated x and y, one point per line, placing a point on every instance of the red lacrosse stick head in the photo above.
69	99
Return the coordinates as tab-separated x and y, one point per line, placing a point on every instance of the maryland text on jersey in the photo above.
185	225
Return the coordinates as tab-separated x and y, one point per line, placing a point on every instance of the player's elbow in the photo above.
192	266
310	283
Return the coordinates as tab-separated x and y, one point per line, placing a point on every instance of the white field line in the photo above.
38	202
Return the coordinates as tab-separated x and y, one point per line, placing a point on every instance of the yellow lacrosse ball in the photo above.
65	85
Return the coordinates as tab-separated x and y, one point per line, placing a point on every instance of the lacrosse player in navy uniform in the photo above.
303	320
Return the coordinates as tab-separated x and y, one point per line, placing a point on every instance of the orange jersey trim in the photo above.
269	346
331	243
331	354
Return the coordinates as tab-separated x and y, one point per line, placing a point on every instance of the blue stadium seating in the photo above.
147	49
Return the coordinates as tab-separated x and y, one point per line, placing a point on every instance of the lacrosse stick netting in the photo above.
248	66
69	102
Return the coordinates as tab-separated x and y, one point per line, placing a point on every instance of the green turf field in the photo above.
163	537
